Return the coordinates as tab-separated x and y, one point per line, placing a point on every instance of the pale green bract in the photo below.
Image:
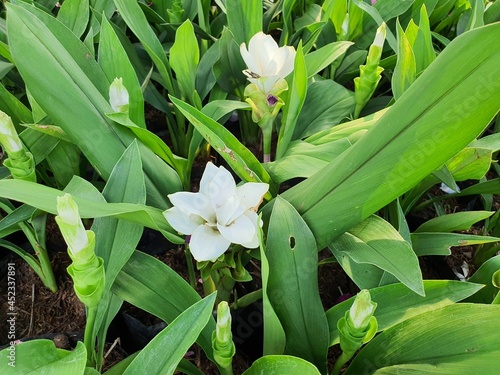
8	136
219	214
118	96
70	224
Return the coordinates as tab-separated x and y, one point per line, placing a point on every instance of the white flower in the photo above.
267	63
362	310
70	224
221	213
118	96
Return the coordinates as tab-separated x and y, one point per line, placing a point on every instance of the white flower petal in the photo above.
221	188
249	60
241	230
207	243
251	194
193	203
254	218
208	174
229	211
182	222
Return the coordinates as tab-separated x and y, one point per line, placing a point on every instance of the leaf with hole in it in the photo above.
414	137
395	304
457	339
293	284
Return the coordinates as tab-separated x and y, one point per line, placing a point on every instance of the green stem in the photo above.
189	260
267	133
209	286
343	359
227	370
247	299
88	335
47	275
496	301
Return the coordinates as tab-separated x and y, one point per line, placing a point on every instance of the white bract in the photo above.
267	63
118	96
362	310
8	135
70	224
221	213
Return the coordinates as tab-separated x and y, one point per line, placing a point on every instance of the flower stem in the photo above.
88	335
341	361
189	260
267	133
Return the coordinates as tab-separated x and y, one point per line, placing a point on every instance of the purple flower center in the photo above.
271	100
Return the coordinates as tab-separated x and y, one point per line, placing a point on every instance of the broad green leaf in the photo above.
318	60
274	336
395	304
439	243
470	164
293	284
452	222
228	70
281	365
303	159
405	71
75	15
115	63
484	276
457	339
166	350
413	138
423	45
154	287
376	242
14	107
64	162
41	357
60	72
295	98
132	14
327	103
244	19
44	198
241	159
184	58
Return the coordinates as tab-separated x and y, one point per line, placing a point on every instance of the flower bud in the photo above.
222	338
8	135
362	310
70	224
118	96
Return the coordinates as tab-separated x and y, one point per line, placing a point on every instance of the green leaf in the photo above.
244	19
44	198
293	284
395	304
174	340
440	243
242	160
42	357
154	287
405	71
327	103
470	164
318	60
75	15
294	102
484	275
281	365
413	138
184	58
457	339
376	242
452	222
115	63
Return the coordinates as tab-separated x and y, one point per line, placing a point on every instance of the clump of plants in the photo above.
351	116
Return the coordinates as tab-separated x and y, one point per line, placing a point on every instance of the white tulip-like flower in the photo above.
221	213
118	96
267	63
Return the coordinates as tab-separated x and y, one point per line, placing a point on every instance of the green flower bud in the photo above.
222	337
265	106
118	96
70	224
87	270
361	311
8	136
